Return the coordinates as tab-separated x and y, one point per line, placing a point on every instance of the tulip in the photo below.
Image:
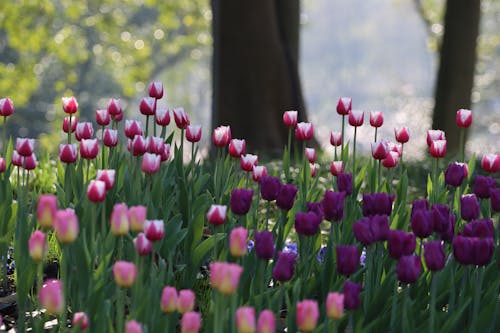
221	136
258	171
351	292
137	217
490	163
193	133
421	223
344	105
266	322
245	319
124	273
3	166
225	277
190	322
310	154
147	106
396	147
483	186
70	105
185	301
102	117
434	255
162	117
68	153
380	149
108	177
269	187
181	118
307	224
96	191
472	250
377	203
333	205
371	229
217	214
376	118
480	228
408	269
402	134
154	229
51	297
401	243
304	131
336	168
307	315
89	148
30	162
284	267
24	146
238	242
455	174
155	90
347	259
17	159
37	246
438	148
155	145
84	130
114	107
237	147
433	135
391	160
241	200
142	244
421	204
46	210
6	107
464	118
264	244
335	306
169	299
138	146
356	118
110	137
166	153
316	208
119	220
286	196
495	199
66	226
248	161
80	320
133	326
66	128
132	128
440	217
290	118
344	183
335	139
151	163
469	207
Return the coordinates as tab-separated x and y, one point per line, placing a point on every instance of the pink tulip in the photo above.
46	210
169	298
156	90
307	315
37	246
464	118
438	148
313	167
217	214
396	147
66	226
137	217
310	154
490	163
70	105
142	244
25	146
132	128
344	105
96	191
181	118
245	319
6	107
114	107
185	302
125	273
238	242
258	171
248	161
237	147
162	117
84	130
139	145
335	139
336	167
102	117
290	118
108	177
190	322
391	160
89	148
81	320
155	145
304	131
434	135
225	277
30	162
66	127
356	118
17	159
110	137
166	153
133	326
193	133
402	134
380	149
51	297
266	322
117	117
151	163
3	165
154	229
119	219
68	153
148	106
335	306
376	118
221	136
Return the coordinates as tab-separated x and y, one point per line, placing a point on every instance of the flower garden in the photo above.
146	240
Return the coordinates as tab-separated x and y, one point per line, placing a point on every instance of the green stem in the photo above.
394	304
65	280
147	126
432	305
462	144
120	310
354	152
477	296
163	132
69	129
379	176
103	150
4	144
406	299
375	140
287	161
343	140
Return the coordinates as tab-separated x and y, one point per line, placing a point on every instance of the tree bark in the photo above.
255	69
456	68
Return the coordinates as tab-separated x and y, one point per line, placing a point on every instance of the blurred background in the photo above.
228	62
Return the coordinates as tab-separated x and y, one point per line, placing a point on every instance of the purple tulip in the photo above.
371	229
448	234
307	224
483	251
440	218
344	183
421	204
333	205
434	255
421	223
480	228
264	244
269	187
241	200
495	199
351	292
462	249
285	266
401	243
286	196
455	174
377	203
469	207
483	185
347	259
408	269
315	207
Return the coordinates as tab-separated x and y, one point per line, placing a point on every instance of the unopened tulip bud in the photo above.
490	163
193	133
139	145
66	126
66	225
335	306
102	117
3	165
96	191
125	273
51	297
89	148
84	130
225	277
70	105
307	315
433	135
156	90
80	320
376	118
190	322
335	139
336	168
132	128
108	177
17	159
185	301
25	146
310	154
380	149
238	242
68	153
237	147
30	162
154	229
290	118
166	153
438	148
181	118
344	105
37	246
162	117
402	134
6	107
148	106
169	298
117	117
46	210
114	107
221	136
110	137
137	217
356	118
304	131
464	118
217	214
151	163
155	145
133	326
119	220
266	322
391	160
142	244
258	171
248	161
245	319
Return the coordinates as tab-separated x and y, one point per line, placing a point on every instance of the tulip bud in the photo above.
290	118
221	136
434	255
351	292
181	118
433	135
142	244
193	133
269	187
108	177
310	154
264	244
190	322
66	226
258	171
66	128
155	145
286	196
344	105
70	105
356	118
335	306
169	298
154	229
347	259
30	162
84	130
469	207
408	268
166	153
248	161
376	118
80	320
266	322
6	107
148	106
46	210
3	165
377	204
336	168
25	146
490	163
284	267
335	139
185	301
114	107
89	148
96	191
137	217
156	90
132	128
483	185
110	137
117	117
438	148
464	118
37	246
245	319
124	273
238	242
396	147
391	160
401	243
162	117
304	131
217	214
421	223
102	117
237	147
333	205
402	134
455	174
51	297
225	277
241	200
68	153
17	159
495	199
480	228
307	315
380	149
151	163
133	326
119	220
138	146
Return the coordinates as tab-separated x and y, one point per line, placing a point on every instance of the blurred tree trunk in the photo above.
456	68
255	69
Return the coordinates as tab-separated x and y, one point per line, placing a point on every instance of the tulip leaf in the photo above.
202	250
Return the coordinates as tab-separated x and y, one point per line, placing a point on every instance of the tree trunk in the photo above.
255	69
456	68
